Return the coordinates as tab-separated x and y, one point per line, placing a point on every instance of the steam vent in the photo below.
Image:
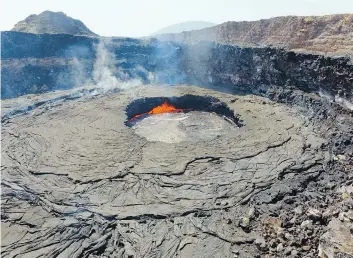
173	150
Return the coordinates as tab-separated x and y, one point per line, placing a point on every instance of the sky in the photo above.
135	18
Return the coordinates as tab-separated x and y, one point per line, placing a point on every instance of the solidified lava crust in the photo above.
77	182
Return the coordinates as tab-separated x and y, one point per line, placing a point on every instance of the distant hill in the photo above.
329	34
53	23
185	26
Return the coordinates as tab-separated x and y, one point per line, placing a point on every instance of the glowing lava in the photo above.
164	108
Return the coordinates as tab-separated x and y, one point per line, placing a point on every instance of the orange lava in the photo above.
164	108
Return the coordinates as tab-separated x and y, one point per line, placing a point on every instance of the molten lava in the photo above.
164	108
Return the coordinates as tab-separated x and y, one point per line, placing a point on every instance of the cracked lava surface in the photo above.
92	186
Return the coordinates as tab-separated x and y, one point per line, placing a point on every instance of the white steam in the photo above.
106	74
344	102
105	71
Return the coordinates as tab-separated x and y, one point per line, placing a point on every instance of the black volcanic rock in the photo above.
53	23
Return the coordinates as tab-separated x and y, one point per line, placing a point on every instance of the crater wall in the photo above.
39	63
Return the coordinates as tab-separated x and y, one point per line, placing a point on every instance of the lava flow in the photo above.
163	108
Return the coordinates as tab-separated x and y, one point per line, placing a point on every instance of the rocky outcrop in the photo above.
329	34
53	23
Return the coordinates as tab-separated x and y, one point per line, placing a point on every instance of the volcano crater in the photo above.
184	118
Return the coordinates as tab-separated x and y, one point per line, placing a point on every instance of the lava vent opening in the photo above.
177	119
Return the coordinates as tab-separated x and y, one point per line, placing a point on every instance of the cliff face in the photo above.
257	69
331	34
52	23
37	63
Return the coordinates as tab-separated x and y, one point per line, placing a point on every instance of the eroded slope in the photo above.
329	34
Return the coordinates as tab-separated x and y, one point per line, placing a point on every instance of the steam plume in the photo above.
106	75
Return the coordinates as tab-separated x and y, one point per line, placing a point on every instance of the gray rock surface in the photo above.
76	182
338	238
